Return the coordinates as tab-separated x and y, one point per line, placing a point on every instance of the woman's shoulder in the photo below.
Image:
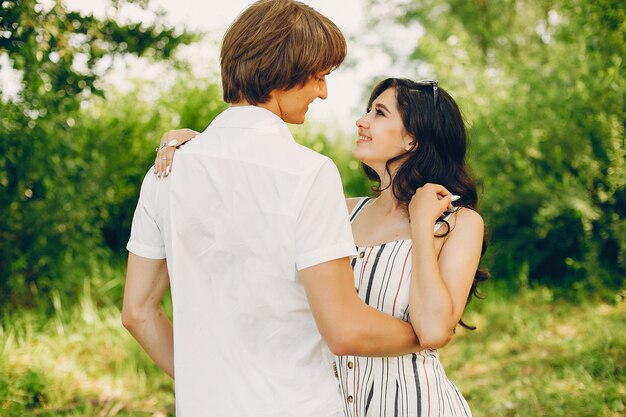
468	220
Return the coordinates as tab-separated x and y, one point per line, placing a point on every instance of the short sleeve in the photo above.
323	230
146	238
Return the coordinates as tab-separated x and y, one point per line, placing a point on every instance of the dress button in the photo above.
350	365
361	254
350	399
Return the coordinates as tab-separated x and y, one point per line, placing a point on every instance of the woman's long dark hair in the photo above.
437	154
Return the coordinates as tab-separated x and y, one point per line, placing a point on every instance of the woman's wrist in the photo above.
421	225
422	236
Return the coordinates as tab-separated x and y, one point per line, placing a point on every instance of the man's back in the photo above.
248	207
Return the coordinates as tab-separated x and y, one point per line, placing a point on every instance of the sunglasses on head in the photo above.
428	83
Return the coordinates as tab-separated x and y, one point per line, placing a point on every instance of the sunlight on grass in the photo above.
534	356
80	362
530	356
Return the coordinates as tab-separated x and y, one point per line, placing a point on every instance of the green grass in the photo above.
535	356
531	356
80	362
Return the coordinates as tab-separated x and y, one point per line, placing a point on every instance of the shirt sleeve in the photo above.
146	238
323	231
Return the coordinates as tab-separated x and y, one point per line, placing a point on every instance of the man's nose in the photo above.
323	91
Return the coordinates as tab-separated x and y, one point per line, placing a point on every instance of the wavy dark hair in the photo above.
437	154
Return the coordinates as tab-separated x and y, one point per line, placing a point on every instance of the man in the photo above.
256	235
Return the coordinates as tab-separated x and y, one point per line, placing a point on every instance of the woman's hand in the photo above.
428	204
165	152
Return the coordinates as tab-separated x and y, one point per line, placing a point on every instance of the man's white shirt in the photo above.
244	209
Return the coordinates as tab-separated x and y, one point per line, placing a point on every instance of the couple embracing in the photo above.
288	299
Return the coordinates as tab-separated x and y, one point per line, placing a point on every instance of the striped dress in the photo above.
412	385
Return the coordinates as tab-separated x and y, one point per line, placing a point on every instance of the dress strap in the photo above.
357	208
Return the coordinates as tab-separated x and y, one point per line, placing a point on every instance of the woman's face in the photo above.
381	133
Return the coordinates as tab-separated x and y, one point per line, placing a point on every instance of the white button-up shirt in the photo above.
245	208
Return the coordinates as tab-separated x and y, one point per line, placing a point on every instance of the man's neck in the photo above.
271	105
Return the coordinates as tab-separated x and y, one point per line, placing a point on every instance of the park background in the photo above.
541	84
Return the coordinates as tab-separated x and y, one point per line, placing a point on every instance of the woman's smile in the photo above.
363	138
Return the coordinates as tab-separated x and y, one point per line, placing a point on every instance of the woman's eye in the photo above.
379	113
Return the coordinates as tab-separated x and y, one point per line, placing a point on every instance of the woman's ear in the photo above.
409	141
410	144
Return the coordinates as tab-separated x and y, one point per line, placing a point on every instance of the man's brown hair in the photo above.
277	44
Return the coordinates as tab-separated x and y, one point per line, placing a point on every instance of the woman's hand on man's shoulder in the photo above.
170	141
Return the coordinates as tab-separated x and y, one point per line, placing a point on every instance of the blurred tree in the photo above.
50	204
542	83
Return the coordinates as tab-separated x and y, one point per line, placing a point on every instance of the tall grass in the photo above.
536	356
530	356
78	362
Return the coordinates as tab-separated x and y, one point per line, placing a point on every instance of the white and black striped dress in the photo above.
412	385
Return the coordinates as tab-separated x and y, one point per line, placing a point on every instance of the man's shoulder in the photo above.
153	187
150	180
314	157
277	149
313	165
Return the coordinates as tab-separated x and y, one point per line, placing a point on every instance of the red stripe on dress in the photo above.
356	392
427	383
393	309
364	265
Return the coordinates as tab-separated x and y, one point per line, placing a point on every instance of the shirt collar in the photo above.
252	117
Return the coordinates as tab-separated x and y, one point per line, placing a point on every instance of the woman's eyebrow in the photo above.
382	106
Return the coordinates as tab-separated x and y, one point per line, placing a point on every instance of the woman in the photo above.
417	254
411	138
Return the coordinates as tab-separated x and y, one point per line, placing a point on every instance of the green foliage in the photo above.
83	216
58	51
51	194
542	84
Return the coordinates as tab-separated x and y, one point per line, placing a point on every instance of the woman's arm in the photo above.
170	141
346	323
441	282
